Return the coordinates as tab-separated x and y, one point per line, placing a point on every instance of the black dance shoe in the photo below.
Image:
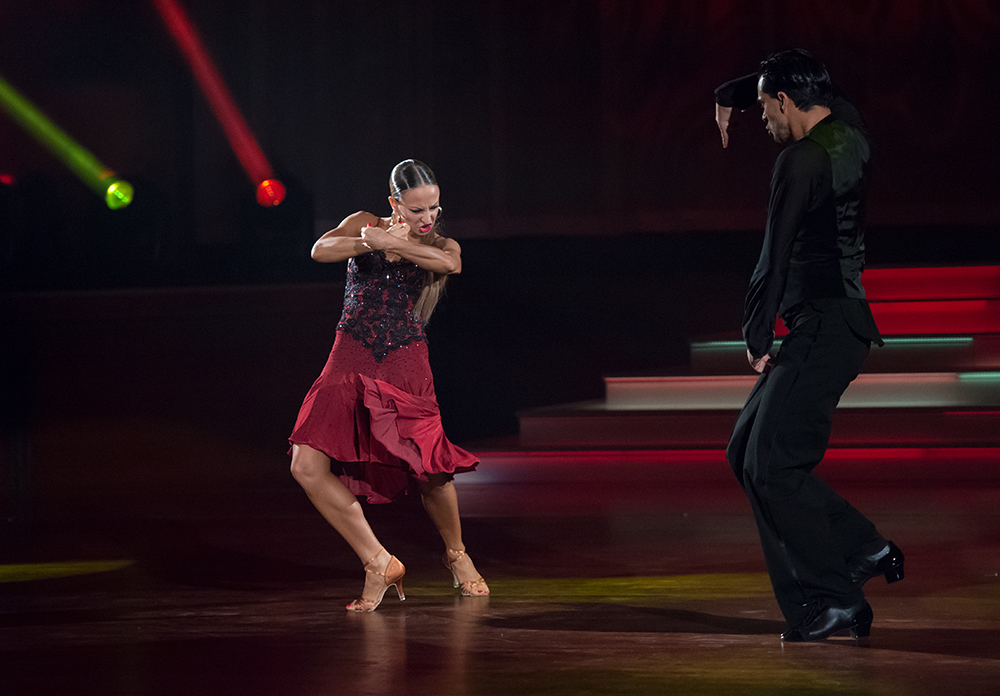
887	561
825	620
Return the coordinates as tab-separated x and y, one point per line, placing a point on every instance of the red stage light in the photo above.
270	192
7	179
237	131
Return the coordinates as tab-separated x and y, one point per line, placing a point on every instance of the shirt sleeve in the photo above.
796	173
740	93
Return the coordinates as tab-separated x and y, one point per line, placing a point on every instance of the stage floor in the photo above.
599	586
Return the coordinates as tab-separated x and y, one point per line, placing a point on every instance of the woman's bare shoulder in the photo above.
446	244
352	225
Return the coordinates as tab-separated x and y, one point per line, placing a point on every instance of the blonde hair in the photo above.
407	175
429	296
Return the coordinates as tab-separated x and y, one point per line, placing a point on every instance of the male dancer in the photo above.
818	548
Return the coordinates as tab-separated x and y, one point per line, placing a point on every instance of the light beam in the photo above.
270	191
117	192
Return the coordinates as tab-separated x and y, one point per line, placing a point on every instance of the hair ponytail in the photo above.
406	175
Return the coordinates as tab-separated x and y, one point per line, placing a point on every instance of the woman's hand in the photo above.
376	238
440	255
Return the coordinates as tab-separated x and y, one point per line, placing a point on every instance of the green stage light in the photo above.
119	194
116	192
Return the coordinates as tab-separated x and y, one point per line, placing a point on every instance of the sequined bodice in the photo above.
378	303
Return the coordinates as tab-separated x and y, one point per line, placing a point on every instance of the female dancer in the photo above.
370	424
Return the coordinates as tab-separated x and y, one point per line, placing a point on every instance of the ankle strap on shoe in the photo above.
373	559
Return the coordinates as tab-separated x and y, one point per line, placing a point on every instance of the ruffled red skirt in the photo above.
378	422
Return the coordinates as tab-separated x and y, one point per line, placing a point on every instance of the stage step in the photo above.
899	354
886	390
879	409
643	467
934	317
932	283
940	301
593	425
936	382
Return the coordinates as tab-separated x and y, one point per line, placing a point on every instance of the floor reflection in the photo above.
665	595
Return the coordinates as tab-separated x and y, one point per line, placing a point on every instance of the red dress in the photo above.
373	410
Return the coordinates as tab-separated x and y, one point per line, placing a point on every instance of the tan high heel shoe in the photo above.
470	588
392	576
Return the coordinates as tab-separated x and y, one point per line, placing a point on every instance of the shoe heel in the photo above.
861	627
895	573
451	569
399	589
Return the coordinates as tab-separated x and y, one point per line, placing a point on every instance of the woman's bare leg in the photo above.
311	468
441	502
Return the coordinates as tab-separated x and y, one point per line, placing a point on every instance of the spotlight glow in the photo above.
270	192
79	160
119	194
245	146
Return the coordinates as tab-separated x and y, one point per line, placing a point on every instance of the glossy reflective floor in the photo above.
599	587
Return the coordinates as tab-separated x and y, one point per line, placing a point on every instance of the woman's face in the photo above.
419	209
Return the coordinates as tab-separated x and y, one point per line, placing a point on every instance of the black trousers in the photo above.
807	531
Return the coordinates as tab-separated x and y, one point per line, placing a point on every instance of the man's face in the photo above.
775	115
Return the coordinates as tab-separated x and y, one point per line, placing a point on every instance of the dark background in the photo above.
603	226
563	117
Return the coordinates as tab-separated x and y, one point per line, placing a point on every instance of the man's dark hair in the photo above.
800	75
